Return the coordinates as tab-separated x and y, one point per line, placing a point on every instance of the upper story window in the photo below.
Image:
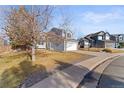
100	37
116	38
107	37
41	43
68	35
120	38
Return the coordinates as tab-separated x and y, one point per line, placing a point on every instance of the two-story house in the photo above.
59	40
98	40
119	39
3	42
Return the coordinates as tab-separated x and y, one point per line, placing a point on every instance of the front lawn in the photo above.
92	49
14	67
109	50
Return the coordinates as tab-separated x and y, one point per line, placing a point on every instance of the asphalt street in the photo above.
113	75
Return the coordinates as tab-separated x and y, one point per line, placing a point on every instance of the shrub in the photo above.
92	49
107	50
121	45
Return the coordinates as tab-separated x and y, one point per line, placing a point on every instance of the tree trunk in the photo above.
33	53
65	45
65	41
47	43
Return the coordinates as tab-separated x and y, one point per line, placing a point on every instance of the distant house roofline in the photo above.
59	29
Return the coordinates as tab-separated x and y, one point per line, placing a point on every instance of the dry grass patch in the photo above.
14	67
110	50
51	58
92	49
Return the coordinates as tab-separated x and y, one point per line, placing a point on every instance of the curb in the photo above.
70	83
94	67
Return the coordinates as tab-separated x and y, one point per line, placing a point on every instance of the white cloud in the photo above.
102	17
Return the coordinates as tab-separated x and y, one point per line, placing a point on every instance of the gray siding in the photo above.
100	44
56	47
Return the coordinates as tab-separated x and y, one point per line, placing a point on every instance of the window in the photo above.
100	38
41	43
68	35
107	37
120	38
86	43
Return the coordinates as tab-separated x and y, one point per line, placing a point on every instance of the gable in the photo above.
101	33
107	36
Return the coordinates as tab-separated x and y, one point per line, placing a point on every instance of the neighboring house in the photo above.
59	40
98	40
3	42
42	44
119	39
83	43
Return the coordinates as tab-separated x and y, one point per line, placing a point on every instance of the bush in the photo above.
121	45
92	49
107	50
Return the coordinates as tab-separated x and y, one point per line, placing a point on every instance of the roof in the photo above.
118	35
54	29
58	31
90	36
97	33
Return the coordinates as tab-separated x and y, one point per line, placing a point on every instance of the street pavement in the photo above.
91	80
73	75
113	75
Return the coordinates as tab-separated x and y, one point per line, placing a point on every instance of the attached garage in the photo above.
71	45
109	45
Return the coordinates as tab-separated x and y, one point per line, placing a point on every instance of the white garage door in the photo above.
71	46
110	45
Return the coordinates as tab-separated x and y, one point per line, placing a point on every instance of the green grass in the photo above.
14	67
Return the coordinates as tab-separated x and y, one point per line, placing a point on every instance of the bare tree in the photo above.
66	25
44	15
51	37
25	27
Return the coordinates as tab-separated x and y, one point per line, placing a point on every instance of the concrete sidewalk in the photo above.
72	76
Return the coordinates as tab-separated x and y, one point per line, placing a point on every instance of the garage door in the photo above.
71	46
110	45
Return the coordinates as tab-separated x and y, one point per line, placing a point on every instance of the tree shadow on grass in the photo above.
62	77
62	65
31	74
25	74
71	72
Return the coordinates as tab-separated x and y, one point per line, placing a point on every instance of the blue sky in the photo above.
88	19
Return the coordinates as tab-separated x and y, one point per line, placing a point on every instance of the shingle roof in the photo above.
89	37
